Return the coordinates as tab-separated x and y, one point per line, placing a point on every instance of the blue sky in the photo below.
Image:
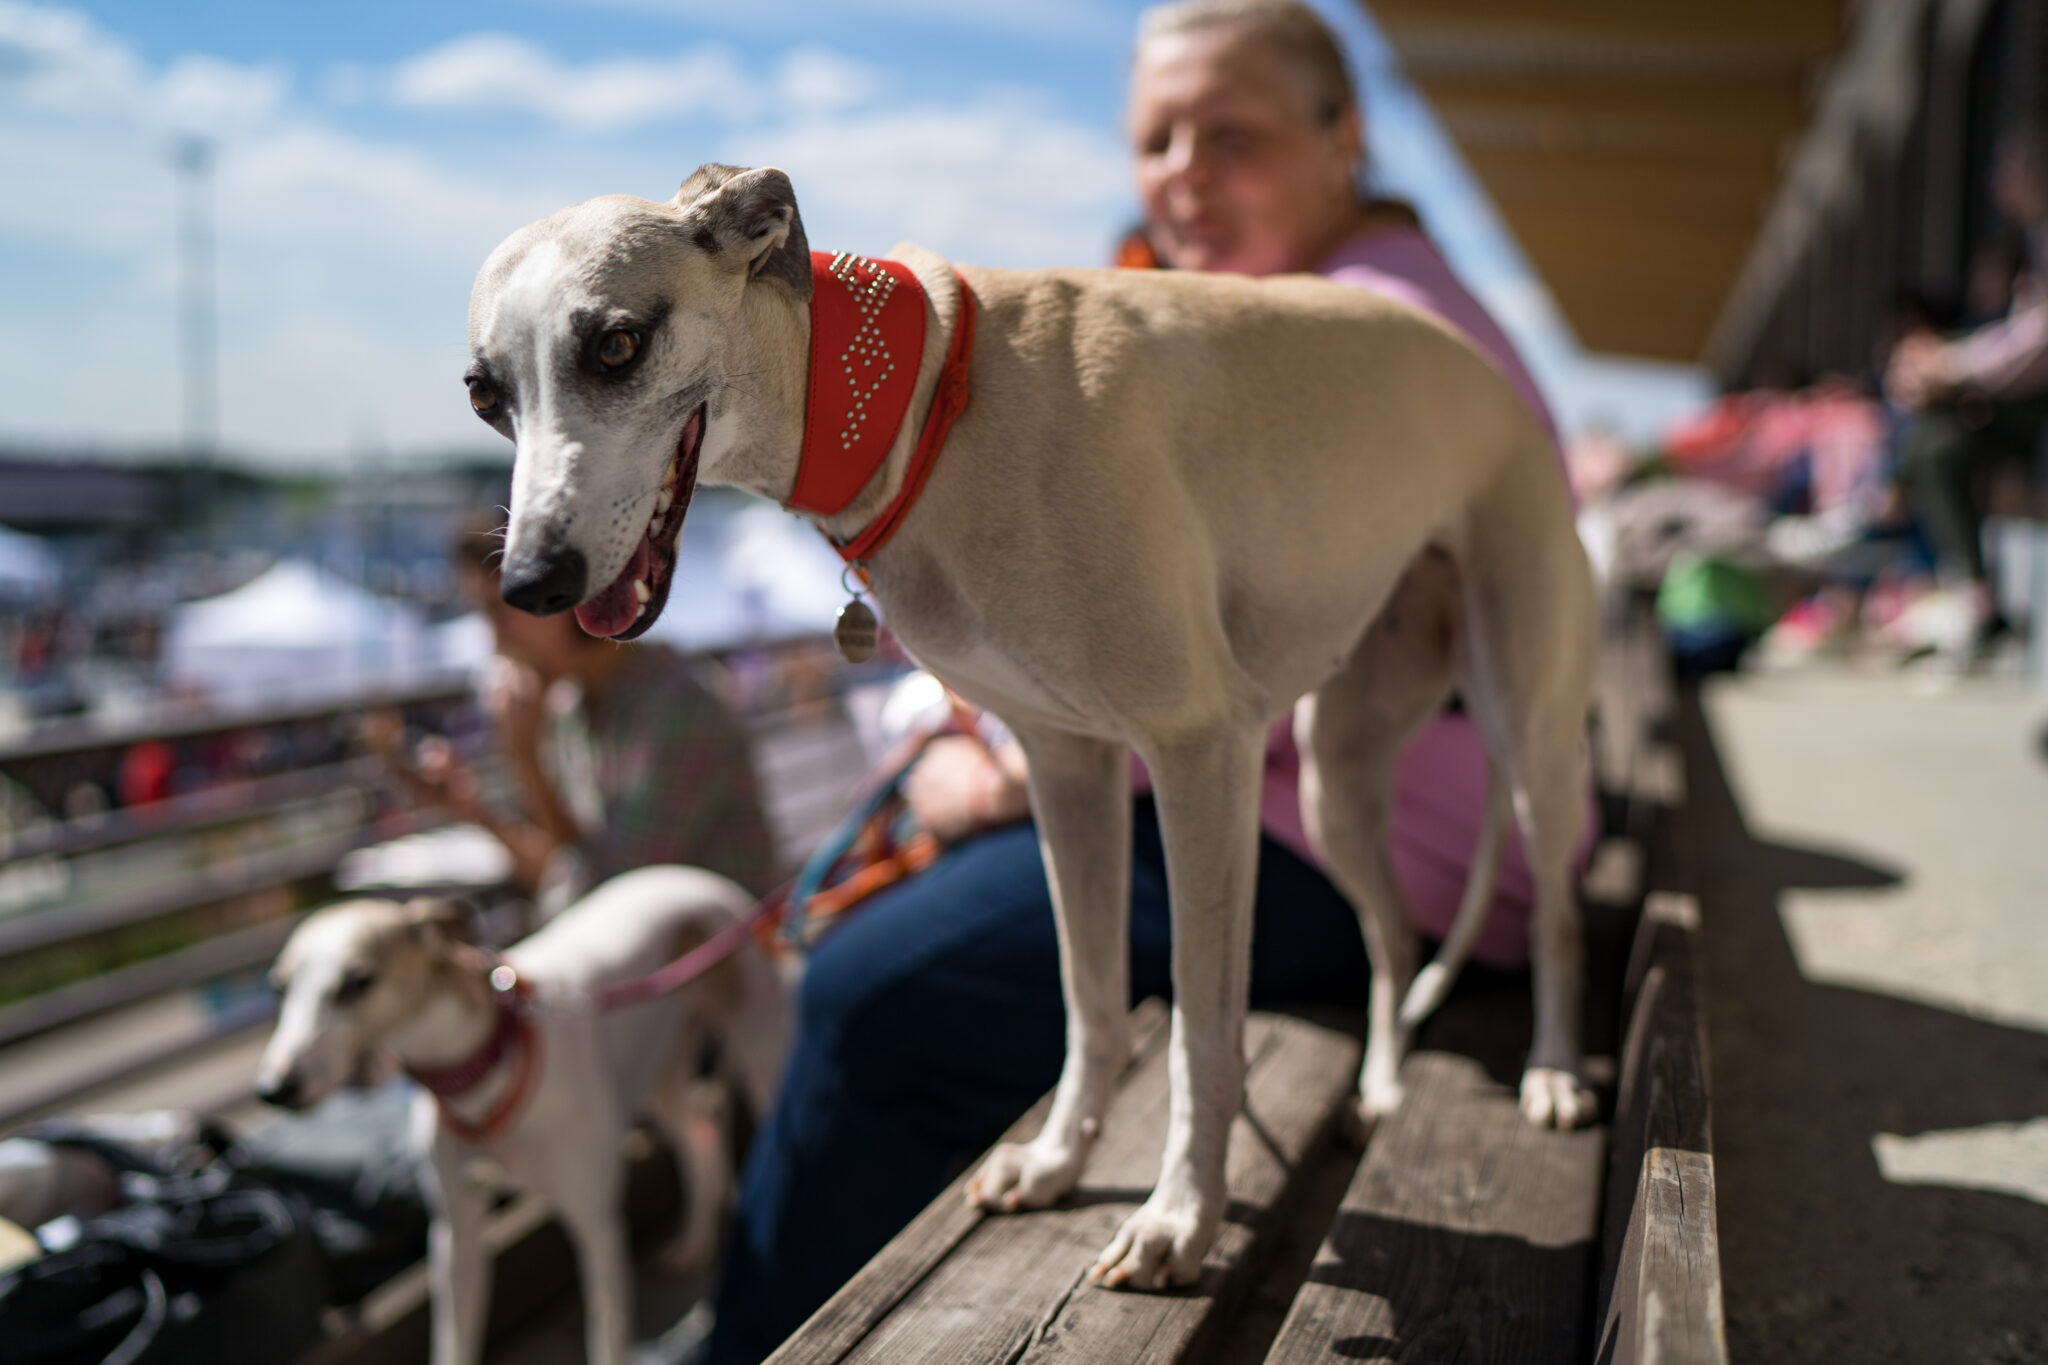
371	153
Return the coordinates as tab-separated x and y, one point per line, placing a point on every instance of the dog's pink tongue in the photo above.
618	606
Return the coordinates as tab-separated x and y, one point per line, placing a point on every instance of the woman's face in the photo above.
1235	170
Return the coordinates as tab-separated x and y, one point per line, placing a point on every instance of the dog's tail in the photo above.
1434	982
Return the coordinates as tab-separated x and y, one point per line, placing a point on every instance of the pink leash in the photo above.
505	980
712	951
692	964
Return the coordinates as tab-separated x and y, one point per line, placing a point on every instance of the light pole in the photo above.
193	157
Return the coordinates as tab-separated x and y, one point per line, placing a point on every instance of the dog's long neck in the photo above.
767	367
454	1021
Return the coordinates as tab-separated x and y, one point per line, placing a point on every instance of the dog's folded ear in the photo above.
442	916
751	215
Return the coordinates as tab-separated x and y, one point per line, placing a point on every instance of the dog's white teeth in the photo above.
642	591
640	611
664	500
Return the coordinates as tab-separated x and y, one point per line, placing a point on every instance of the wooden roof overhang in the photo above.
1635	148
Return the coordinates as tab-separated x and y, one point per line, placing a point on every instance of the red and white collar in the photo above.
867	344
511	1033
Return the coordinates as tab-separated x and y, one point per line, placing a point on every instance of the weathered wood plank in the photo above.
1007	1277
1467	1234
1011	1288
1634	759
1299	1084
1660	1298
869	1297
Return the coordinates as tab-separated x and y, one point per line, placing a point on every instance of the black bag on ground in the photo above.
192	1270
352	1161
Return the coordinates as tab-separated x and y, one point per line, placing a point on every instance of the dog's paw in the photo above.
1024	1176
1552	1098
1379	1094
1158	1247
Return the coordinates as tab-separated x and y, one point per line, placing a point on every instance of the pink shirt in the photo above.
1440	779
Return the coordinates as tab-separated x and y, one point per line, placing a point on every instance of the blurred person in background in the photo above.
932	1017
621	758
1975	402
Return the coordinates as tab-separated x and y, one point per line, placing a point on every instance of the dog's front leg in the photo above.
458	1262
1081	798
1208	794
588	1201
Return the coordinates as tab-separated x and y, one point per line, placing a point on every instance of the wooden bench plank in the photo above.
1301	1081
959	1288
872	1294
1661	1284
1635	761
1467	1234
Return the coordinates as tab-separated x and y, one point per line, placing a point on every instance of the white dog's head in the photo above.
350	976
619	344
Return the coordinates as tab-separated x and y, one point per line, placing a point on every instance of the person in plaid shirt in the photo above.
621	757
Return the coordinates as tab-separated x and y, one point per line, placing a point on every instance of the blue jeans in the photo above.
928	1023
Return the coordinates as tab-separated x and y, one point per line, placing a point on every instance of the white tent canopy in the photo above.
747	570
294	629
27	564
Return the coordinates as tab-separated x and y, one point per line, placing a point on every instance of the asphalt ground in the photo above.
1872	866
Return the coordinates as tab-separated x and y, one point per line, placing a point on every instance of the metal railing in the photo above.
322	812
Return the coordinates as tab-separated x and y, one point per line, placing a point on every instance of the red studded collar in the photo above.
512	1033
867	342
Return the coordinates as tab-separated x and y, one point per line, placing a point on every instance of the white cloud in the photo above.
201	94
58	61
345	260
61	61
813	80
996	183
498	71
494	71
349	83
310	186
1045	20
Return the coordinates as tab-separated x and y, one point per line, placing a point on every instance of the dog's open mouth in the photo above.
635	598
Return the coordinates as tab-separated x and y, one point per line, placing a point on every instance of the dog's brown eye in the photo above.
482	396
353	985
617	348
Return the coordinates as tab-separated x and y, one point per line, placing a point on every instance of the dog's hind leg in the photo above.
1531	643
1081	798
694	1114
1208	796
1350	731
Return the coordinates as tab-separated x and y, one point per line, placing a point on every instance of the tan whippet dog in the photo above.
1175	507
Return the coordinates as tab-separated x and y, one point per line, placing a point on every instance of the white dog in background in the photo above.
1176	507
369	977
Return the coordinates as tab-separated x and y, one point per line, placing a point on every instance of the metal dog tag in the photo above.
856	632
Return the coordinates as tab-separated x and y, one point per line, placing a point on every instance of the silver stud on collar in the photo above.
871	287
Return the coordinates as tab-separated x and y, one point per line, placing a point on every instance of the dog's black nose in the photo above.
544	583
285	1092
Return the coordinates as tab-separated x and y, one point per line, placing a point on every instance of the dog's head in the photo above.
615	344
349	977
